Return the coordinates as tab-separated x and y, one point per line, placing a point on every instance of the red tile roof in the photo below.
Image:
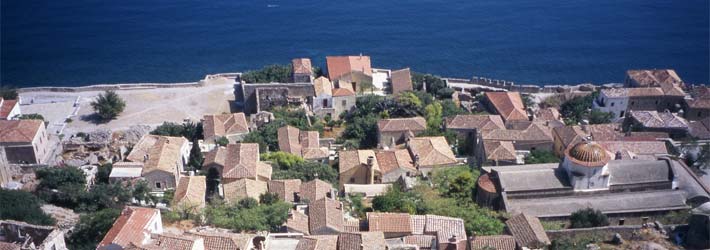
414	124
479	122
401	81
315	190
297	221
389	222
508	104
285	188
191	191
6	106
499	150
654	77
391	160
225	124
318	242
19	131
238	161
498	242
342	92
527	230
224	241
302	66
484	182
325	213
361	241
339	66
432	151
131	226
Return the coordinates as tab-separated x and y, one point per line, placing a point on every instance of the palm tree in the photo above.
108	105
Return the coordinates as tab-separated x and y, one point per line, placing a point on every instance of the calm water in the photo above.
71	42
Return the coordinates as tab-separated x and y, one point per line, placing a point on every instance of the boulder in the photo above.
617	239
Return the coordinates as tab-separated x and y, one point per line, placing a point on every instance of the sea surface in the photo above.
81	42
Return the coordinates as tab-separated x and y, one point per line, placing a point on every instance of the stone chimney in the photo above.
371	169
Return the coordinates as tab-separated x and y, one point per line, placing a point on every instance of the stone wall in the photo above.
626	232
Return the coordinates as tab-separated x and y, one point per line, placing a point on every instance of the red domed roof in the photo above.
485	183
588	154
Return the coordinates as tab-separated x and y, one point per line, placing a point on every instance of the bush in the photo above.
91	229
270	73
22	206
588	217
8	93
222	141
191	131
31	117
541	156
578	108
108	105
246	216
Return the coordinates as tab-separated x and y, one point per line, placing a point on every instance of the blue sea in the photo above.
81	42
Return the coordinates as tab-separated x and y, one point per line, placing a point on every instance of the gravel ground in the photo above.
143	106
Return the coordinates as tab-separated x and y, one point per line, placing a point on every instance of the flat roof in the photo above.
125	172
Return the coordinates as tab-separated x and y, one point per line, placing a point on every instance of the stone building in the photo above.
640	78
161	159
627	191
401	81
237	171
509	105
256	97
653	121
302	70
392	132
232	126
344	100
135	225
350	72
305	144
9	109
25	141
20	235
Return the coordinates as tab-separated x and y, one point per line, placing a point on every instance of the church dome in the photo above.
588	154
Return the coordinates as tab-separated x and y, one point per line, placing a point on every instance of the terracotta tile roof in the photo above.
315	190
285	189
242	188
389	222
654	119
131	226
700	103
534	132
6	106
498	242
9	246
418	223
672	89
318	242
302	66
484	182
351	159
177	242
604	132
413	124
401	81
239	160
570	135
445	228
499	150
351	225
342	92
158	153
508	104
479	122
700	129
652	78
391	160
339	66
224	125
224	241
547	114
527	230
634	149
19	131
361	241
297	221
432	151
191	191
325	213
302	143
421	241
323	86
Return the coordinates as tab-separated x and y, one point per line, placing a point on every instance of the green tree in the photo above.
8	93
108	105
22	206
449	108
91	229
282	159
409	100
196	156
541	156
578	108
270	73
433	114
600	117
433	83
307	171
222	141
268	198
247	216
588	217
33	116
104	171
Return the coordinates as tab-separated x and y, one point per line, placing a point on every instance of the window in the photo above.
632	103
157	185
644	220
612	104
656	102
345	102
354	84
621	114
700	114
621	222
352	180
325	103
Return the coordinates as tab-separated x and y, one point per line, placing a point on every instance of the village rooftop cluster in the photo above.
360	158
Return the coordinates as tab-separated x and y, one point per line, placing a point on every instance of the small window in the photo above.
700	114
345	102
644	220
157	185
352	180
325	102
612	104
632	103
621	114
621	222
656	102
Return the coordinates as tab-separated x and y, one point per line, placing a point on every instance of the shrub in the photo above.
108	105
270	73
22	206
91	229
541	156
31	117
588	217
222	141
